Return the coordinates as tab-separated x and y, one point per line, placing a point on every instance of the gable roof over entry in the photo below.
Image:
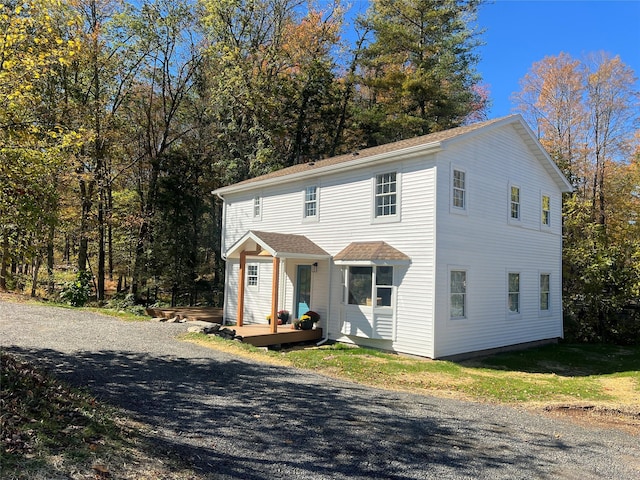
278	245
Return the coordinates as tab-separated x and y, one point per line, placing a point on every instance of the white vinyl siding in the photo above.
489	246
370	302
477	240
345	205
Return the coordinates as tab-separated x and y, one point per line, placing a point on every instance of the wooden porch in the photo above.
203	314
262	336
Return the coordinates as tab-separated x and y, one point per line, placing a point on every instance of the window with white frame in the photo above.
384	286
311	202
367	283
252	275
458	294
515	203
544	291
546	210
459	191
514	293
256	207
386	198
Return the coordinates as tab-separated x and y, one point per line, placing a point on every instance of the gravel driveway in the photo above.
238	419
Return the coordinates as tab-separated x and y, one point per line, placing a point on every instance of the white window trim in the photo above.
515	221
452	208
386	218
257	201
510	313
458	268
542	224
316	217
256	276
550	302
373	309
374	285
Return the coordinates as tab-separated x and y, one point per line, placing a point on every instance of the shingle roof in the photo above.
287	244
370	251
432	138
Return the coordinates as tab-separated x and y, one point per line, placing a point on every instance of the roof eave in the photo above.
372	262
405	153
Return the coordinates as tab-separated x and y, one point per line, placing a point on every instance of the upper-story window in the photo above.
311	202
546	211
515	203
459	199
386	196
257	207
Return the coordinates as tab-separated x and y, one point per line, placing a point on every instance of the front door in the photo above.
303	290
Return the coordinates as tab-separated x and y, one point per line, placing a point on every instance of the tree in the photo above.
418	75
586	114
161	109
552	99
612	102
33	139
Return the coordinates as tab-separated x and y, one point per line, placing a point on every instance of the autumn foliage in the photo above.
586	113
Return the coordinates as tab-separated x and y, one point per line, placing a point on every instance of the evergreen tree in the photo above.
418	74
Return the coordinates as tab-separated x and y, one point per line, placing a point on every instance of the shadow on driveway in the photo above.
236	419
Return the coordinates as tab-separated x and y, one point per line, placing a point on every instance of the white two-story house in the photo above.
436	246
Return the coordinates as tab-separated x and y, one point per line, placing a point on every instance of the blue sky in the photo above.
521	32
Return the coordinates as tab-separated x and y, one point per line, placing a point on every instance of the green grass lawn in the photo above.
560	373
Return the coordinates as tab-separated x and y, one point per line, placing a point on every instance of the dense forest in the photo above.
118	119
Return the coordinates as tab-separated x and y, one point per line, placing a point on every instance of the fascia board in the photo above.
301	256
405	153
372	263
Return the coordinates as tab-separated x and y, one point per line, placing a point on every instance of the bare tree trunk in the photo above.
86	191
4	265
346	98
110	230
34	274
50	260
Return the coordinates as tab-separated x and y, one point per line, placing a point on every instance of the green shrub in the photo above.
77	292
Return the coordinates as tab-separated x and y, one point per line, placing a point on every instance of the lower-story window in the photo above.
458	294
544	291
367	283
514	293
252	275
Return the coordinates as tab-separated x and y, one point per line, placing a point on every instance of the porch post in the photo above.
275	283
243	261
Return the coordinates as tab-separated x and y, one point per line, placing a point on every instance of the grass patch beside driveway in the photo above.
601	375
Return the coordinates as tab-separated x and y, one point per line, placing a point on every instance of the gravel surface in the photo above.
233	418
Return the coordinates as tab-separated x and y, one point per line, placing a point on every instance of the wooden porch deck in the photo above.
261	336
